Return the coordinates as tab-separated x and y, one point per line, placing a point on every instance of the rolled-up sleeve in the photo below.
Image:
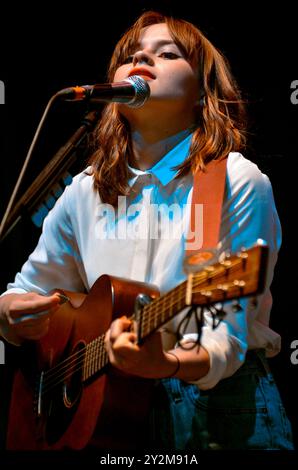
55	262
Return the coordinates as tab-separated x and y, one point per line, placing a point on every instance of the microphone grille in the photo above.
142	91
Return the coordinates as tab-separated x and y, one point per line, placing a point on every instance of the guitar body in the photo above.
79	400
109	410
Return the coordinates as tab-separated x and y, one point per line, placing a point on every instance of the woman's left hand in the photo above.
148	360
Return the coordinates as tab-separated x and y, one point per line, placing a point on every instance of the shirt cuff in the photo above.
14	290
220	355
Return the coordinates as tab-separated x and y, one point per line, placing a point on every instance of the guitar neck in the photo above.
229	278
152	317
160	311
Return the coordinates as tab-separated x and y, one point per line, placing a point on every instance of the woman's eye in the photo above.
169	55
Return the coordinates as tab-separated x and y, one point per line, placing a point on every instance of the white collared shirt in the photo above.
83	238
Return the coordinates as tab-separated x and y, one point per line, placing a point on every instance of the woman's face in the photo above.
172	79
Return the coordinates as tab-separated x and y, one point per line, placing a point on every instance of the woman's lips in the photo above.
145	77
142	73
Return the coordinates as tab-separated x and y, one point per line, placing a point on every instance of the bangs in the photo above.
129	42
221	119
187	37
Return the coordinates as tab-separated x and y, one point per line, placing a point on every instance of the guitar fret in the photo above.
90	358
219	282
154	315
93	365
93	360
102	356
93	351
171	305
98	355
155	318
85	363
162	309
142	321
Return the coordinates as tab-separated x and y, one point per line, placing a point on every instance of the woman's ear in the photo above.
202	100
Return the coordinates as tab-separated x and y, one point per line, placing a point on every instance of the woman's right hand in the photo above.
26	316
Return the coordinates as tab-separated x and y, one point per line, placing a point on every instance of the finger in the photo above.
119	326
29	308
132	338
107	340
31	321
35	303
38	316
124	343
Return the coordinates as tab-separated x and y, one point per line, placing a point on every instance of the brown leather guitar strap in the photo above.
206	207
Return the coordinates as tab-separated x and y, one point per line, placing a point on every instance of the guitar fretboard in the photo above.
153	316
230	278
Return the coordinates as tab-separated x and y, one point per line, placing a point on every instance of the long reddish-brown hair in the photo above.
221	122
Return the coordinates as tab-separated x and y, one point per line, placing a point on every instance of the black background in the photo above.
43	51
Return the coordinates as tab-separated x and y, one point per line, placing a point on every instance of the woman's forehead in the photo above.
155	30
155	35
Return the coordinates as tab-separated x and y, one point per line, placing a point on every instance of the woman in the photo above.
218	395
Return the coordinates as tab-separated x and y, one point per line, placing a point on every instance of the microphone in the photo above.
133	91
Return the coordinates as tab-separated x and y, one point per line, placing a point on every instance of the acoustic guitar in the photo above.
65	392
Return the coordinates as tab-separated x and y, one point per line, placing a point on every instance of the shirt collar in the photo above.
163	169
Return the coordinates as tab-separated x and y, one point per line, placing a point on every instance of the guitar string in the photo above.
82	353
97	353
73	359
94	358
132	317
155	306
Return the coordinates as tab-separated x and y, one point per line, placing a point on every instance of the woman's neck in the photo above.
149	147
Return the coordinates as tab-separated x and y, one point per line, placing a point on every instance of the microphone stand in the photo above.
48	177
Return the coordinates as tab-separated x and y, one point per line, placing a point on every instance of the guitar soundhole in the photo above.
73	378
66	398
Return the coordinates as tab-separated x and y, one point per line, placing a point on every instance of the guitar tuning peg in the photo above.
225	255
242	253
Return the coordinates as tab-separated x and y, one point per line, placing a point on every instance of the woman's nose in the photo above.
142	57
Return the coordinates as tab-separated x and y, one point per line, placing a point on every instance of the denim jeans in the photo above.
241	412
